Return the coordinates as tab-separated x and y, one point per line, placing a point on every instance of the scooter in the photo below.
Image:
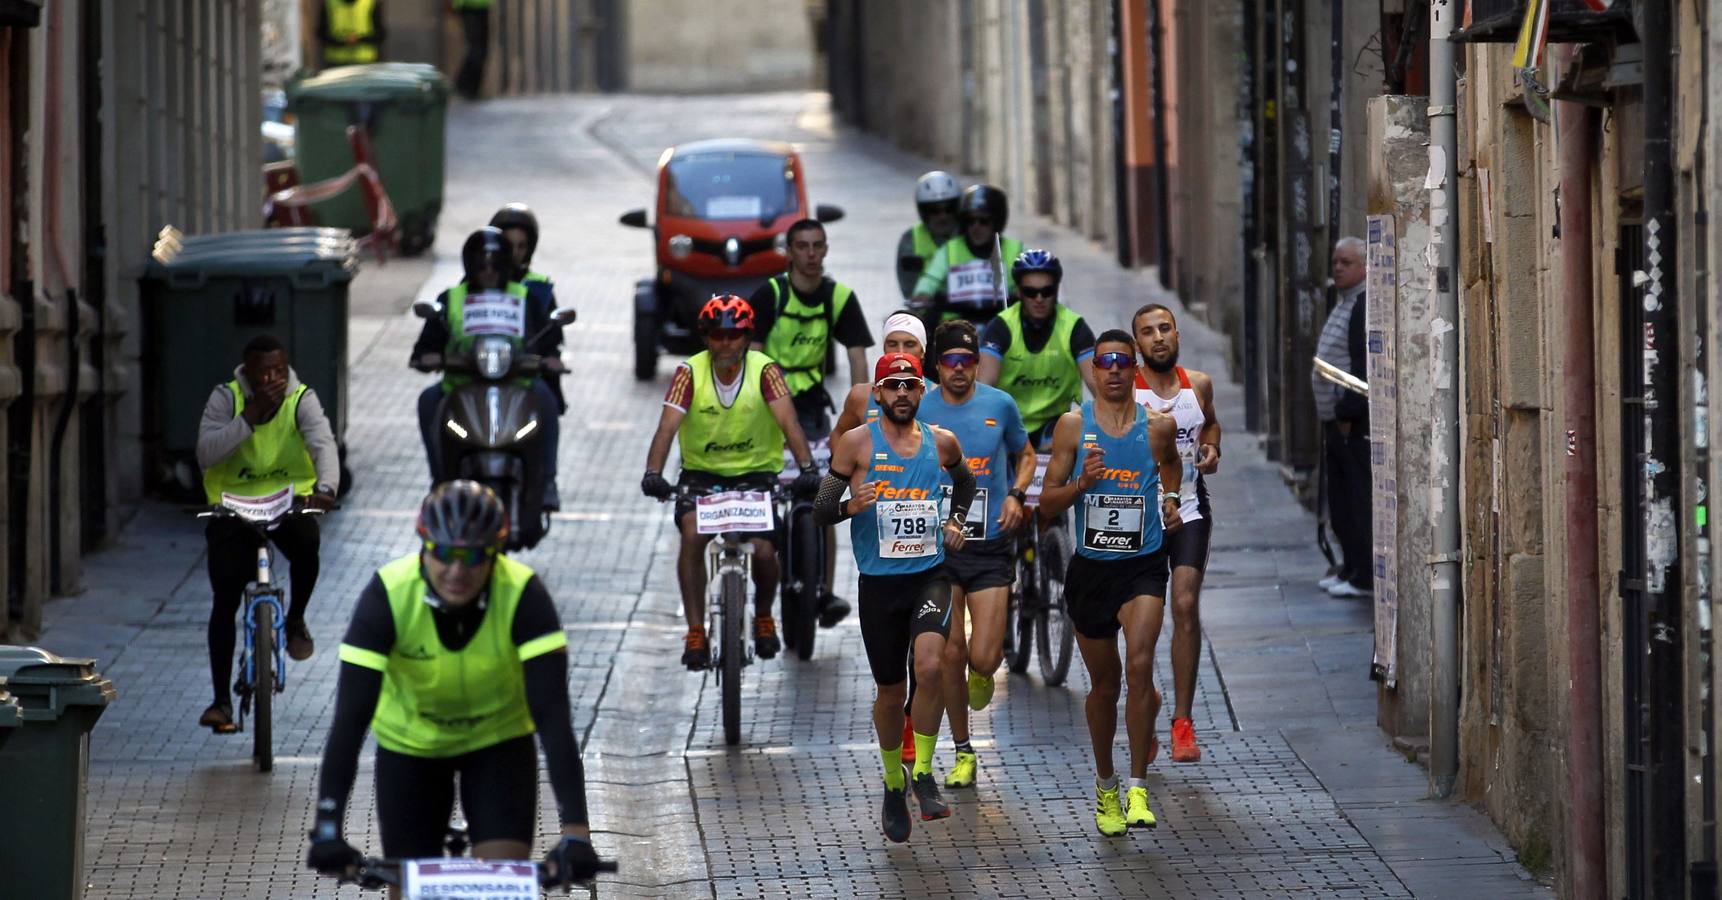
490	425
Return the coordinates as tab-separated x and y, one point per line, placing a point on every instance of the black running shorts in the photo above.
498	794
1095	590
1188	546
980	565
897	609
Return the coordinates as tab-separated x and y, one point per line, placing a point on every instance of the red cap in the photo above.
896	364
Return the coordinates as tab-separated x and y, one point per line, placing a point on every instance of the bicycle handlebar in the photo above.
377	872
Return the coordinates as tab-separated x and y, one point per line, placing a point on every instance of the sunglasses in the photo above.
958	360
466	556
894	385
726	334
1033	292
1115	360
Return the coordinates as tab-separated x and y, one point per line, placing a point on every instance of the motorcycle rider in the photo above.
936	200
961	280
520	225
488	261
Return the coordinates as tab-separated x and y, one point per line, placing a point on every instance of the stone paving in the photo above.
1297	794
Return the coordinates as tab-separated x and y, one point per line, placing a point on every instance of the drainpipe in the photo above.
1443	185
1586	873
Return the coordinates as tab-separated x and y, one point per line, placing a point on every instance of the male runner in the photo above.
1188	397
891	468
1117	579
987	425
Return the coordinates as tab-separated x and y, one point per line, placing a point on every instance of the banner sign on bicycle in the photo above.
733	511
267	508
470	879
1032	495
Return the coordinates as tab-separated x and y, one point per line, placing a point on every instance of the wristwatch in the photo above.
1020	495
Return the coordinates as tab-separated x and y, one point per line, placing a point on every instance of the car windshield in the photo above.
758	186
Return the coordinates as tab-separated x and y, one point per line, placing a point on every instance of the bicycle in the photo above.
454	875
803	556
1039	622
264	614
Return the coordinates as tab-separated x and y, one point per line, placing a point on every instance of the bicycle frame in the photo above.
727	553
262	592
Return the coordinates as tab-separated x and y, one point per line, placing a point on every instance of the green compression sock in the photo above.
893	767
924	753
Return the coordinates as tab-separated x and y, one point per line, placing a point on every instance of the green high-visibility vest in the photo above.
800	338
350	20
1045	384
460	342
438	702
925	244
970	280
536	276
273	457
732	440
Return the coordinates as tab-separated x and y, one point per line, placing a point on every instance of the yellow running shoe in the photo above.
1136	813
1108	817
963	773
980	691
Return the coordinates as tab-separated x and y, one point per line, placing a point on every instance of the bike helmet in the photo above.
984	199
1037	261
463	513
935	190
519	215
725	311
487	248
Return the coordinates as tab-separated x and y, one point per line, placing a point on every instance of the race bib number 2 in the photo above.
1112	523
908	529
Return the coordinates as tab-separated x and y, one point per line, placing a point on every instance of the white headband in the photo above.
908	325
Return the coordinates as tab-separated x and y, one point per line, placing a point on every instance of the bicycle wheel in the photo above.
809	560
263	686
1052	625
734	600
1019	628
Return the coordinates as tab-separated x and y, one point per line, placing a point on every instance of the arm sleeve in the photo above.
319	438
828	504
1081	341
547	698
932	280
995	339
371	634
364	657
220	432
772	384
537	629
908	264
852	330
962	487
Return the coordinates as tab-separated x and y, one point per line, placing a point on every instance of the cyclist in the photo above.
1188	397
904	333
1038	350
986	423
261	432
891	469
729	409
936	200
488	261
1120	456
962	277
455	657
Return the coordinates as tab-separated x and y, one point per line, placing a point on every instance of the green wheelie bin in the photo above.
404	107
45	755
205	296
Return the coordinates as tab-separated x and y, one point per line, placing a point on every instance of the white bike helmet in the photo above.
935	187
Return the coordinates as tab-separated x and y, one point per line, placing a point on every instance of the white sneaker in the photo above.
1346	589
1328	582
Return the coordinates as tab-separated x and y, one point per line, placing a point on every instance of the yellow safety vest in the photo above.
349	20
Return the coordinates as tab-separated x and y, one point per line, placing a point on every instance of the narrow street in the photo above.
1298	792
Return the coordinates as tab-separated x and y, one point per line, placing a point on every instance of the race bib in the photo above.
1032	495
908	529
975	524
470	879
494	312
733	511
263	509
1112	523
971	284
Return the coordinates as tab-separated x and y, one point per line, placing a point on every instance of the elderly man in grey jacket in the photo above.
1345	424
263	433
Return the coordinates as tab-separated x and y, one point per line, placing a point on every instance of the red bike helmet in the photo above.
725	312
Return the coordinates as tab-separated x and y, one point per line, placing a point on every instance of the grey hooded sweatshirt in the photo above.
221	432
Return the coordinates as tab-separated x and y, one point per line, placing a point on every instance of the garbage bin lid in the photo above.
371	83
273	251
43	684
11	713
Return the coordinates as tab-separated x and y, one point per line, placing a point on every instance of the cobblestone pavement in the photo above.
1297	794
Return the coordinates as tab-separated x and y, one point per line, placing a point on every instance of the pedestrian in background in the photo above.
350	31
1344	419
475	25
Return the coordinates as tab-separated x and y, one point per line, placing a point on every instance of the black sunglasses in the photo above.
1032	292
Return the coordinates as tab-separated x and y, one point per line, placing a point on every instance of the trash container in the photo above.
205	296
45	758
11	714
404	106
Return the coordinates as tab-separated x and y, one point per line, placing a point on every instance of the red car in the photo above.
723	209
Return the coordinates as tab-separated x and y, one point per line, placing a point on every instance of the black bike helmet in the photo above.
463	513
984	199
519	215
1037	261
487	248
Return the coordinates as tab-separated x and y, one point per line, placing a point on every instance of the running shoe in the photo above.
696	655
908	740
927	795
1347	590
1136	812
1329	580
765	642
894	814
1184	747
1108	815
980	691
963	773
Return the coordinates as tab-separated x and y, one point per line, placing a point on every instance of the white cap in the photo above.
908	324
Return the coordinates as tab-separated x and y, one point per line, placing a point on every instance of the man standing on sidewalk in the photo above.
1345	425
1188	397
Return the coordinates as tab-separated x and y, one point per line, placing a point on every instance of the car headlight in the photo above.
781	244
494	356
681	245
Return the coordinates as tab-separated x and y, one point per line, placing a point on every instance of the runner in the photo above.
892	471
1117	579
1188	397
986	423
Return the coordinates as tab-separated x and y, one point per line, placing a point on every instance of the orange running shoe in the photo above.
908	741
1184	747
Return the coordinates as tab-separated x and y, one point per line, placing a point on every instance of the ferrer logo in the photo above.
1112	539
804	340
1127	476
981	465
1043	381
734	447
887	492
